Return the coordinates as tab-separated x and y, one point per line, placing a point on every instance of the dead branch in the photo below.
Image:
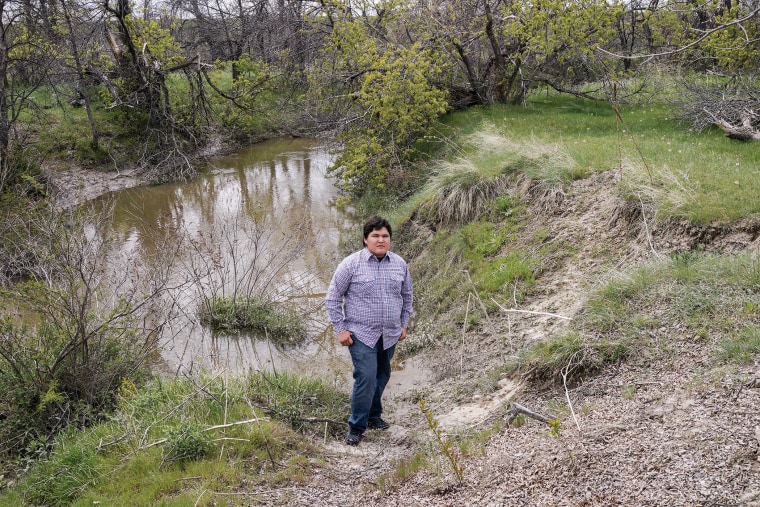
210	428
566	370
236	423
530	312
742	133
519	409
730	109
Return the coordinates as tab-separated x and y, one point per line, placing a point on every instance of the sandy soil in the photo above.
76	185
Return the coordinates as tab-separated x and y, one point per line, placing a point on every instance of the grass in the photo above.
467	199
699	176
202	441
235	314
692	297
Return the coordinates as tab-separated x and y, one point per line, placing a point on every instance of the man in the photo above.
369	303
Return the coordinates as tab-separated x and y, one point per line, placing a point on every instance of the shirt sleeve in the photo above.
335	295
407	296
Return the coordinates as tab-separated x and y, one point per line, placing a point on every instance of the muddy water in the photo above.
281	187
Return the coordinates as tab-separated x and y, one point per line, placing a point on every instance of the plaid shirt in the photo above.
371	298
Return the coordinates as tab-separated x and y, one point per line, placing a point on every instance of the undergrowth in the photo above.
192	441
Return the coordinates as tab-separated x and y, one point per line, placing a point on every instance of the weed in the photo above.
445	445
186	443
555	427
742	347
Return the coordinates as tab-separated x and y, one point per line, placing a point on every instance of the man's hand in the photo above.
345	338
403	334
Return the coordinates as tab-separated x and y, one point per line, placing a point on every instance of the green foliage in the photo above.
445	444
730	46
211	429
564	32
238	313
256	110
393	95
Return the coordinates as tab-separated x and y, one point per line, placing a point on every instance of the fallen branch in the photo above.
237	423
519	409
275	412
530	312
211	428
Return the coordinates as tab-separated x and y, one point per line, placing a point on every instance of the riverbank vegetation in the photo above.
178	442
459	122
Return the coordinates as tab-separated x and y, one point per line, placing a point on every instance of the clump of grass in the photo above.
234	314
298	400
742	347
466	187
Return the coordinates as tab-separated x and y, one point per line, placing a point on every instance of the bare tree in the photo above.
82	320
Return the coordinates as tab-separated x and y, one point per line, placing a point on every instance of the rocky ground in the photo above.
661	431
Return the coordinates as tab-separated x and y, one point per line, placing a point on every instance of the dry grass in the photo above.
464	188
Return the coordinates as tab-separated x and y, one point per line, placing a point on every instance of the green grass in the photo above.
161	448
742	347
646	310
702	177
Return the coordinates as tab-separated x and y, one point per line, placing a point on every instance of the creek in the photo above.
276	189
250	203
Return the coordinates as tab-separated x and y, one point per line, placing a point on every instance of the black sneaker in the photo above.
377	424
353	437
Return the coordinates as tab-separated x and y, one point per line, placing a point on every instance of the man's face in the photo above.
378	242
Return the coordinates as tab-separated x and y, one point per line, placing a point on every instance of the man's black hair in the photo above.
375	224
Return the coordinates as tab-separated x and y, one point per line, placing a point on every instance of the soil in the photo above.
661	431
74	185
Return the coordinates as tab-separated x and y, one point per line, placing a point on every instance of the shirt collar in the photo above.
367	255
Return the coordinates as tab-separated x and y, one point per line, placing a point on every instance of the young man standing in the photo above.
369	303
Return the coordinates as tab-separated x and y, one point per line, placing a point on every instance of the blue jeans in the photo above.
372	370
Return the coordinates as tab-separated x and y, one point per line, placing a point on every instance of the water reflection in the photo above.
280	186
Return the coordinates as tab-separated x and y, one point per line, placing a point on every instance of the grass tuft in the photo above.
233	314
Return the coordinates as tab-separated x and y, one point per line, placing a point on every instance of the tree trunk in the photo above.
80	75
5	168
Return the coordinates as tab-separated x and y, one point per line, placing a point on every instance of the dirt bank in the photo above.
665	430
